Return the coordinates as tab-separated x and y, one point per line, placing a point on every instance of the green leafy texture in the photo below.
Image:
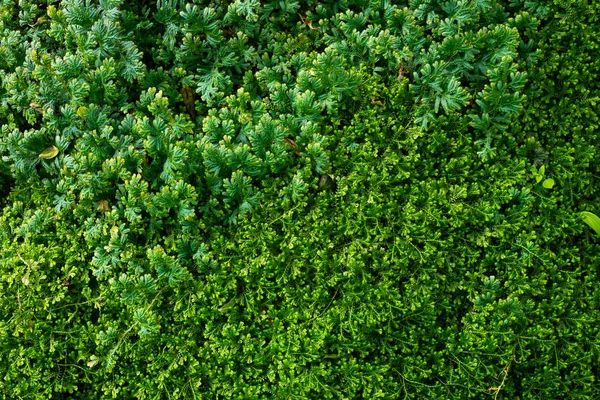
298	199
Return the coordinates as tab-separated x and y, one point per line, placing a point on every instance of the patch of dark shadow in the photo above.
6	186
95	315
93	281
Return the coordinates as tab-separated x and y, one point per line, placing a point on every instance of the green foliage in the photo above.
592	220
298	199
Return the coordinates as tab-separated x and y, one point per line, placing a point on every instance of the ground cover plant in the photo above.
299	200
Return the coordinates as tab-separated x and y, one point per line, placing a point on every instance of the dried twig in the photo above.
307	22
505	370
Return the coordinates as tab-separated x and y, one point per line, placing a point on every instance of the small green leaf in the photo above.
228	305
49	153
592	220
542	170
82	111
538	178
548	183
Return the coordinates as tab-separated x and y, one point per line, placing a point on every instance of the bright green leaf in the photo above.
49	153
538	178
548	183
228	305
82	111
592	220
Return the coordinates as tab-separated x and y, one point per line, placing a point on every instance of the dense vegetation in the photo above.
296	199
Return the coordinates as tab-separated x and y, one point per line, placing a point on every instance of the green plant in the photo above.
539	174
298	199
592	220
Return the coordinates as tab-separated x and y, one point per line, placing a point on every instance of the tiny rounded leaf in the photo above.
548	183
82	111
49	153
